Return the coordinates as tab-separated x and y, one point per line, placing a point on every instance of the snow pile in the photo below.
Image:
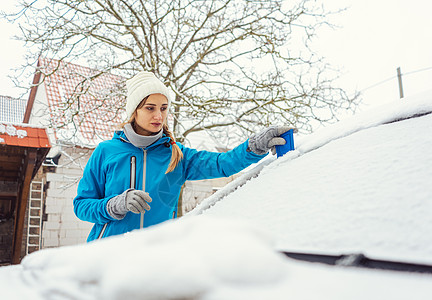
184	259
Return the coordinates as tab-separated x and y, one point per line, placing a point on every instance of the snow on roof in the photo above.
92	105
12	110
361	185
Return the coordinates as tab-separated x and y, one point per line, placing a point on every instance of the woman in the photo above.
142	165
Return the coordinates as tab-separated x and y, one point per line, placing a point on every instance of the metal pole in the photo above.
399	75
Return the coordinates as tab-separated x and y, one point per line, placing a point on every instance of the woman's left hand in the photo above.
260	143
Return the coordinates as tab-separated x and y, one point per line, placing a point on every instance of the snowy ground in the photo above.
355	186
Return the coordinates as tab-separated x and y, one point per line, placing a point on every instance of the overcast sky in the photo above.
374	38
378	37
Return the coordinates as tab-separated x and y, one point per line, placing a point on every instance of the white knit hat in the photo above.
140	86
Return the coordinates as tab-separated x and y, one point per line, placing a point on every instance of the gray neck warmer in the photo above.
140	141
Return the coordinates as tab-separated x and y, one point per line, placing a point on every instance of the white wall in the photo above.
62	227
40	116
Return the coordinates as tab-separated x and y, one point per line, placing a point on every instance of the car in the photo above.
345	215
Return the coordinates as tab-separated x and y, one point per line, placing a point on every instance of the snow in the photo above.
386	113
9	129
187	258
361	185
369	192
194	258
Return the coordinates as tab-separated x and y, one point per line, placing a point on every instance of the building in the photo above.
12	110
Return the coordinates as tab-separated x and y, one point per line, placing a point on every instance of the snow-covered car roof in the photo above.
360	185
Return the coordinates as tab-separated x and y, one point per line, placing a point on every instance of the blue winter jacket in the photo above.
109	172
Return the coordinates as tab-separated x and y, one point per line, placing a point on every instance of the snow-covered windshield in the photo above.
361	185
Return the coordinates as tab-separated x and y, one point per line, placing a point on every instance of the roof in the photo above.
360	185
12	109
23	135
85	106
16	142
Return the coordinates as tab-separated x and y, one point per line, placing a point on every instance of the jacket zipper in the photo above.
143	184
132	186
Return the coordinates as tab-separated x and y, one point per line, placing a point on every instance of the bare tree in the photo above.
231	64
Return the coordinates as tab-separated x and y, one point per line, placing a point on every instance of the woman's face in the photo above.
152	115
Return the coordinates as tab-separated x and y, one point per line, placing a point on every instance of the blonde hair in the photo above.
176	153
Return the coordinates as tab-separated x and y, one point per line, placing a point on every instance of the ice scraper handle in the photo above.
260	143
132	200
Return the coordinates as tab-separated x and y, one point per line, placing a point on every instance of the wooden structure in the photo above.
22	151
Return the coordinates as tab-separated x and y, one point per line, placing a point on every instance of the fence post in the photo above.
399	75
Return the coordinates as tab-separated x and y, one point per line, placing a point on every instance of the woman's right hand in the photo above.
136	201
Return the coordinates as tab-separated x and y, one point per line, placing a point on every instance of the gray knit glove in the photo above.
260	143
132	200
